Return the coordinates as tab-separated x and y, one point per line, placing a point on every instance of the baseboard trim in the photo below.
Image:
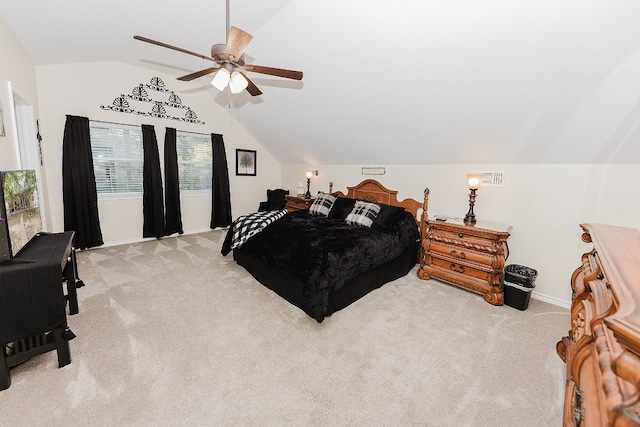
147	239
551	300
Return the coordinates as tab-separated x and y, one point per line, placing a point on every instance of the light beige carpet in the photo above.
170	332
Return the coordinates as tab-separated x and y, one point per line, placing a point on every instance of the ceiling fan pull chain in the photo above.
228	20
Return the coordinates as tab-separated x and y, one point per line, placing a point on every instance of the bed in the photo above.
323	259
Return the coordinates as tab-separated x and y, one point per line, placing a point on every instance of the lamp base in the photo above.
307	195
470	218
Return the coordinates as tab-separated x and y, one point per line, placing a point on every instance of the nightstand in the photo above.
468	256
295	203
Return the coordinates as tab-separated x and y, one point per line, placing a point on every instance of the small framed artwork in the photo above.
246	162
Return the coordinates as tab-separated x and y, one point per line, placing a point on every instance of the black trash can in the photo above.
518	285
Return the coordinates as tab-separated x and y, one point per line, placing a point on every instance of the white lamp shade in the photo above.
238	83
474	180
221	79
309	174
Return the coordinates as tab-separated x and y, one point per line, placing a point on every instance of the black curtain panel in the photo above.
152	204
173	219
79	195
221	198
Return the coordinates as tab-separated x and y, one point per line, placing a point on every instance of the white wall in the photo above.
544	203
17	71
80	89
18	77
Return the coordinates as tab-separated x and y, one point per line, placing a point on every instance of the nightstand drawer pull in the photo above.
460	235
458	254
457	268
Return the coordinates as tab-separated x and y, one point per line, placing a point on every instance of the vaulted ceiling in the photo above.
402	82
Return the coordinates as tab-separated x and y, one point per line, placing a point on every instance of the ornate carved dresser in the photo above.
602	350
469	256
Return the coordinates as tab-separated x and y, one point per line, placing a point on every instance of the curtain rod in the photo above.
195	133
129	124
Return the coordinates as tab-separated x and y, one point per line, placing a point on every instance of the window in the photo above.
195	161
117	157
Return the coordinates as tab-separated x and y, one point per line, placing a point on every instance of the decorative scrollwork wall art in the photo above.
158	107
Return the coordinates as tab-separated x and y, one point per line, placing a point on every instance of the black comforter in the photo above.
325	253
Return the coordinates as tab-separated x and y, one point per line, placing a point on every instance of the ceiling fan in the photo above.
229	56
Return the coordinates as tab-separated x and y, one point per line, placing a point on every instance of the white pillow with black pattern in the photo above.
322	204
363	214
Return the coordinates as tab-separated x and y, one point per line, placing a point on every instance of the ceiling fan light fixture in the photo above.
237	83
229	57
221	79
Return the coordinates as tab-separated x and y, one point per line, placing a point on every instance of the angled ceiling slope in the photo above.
391	83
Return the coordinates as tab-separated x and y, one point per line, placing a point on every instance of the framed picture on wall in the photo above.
246	162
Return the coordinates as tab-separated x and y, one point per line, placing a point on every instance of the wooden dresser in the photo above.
602	350
469	256
296	203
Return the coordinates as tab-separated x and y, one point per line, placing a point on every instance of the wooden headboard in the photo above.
373	191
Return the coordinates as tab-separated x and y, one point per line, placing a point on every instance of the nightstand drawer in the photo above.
460	237
454	276
479	271
461	253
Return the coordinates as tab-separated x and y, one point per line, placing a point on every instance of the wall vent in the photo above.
493	179
373	170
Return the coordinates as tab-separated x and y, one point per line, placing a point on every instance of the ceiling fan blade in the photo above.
237	42
251	88
179	49
279	72
197	74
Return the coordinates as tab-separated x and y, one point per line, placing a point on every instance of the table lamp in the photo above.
309	174
473	180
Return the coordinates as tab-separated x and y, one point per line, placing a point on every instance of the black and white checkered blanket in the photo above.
247	226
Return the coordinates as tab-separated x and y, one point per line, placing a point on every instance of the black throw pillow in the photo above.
387	216
276	199
341	208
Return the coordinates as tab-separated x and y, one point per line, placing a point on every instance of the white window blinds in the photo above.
195	160
117	157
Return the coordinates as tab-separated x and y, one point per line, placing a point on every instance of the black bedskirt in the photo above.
290	287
